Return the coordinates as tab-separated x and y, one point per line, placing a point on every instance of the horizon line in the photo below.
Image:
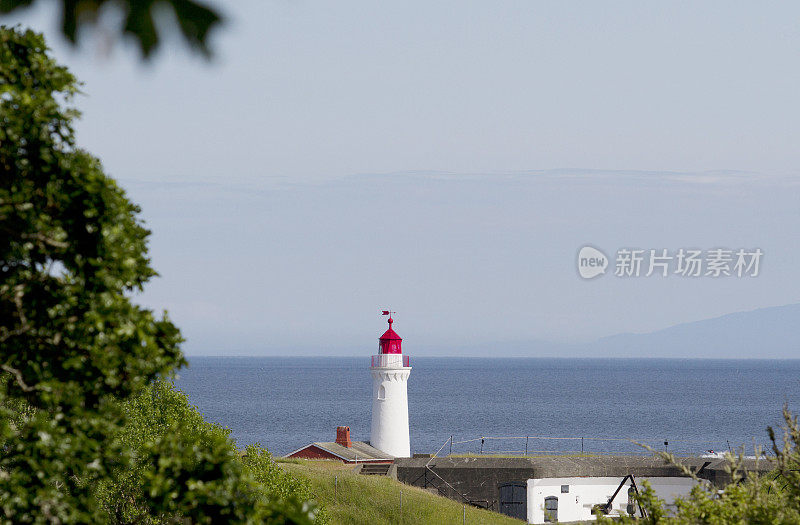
449	356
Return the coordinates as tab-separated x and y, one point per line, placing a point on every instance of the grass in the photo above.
358	499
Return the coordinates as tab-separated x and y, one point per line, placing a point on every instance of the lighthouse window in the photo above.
382	392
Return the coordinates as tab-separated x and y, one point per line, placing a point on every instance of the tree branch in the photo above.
18	375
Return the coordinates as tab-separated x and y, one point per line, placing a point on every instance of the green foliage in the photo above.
78	354
272	479
184	466
141	19
749	499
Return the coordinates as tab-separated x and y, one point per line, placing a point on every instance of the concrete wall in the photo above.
469	480
476	480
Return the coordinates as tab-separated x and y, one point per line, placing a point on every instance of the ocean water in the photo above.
285	403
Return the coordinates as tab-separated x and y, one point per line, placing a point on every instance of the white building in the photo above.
572	499
390	370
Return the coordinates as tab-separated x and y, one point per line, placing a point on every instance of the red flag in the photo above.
385	312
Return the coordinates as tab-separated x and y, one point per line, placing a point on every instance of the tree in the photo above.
141	19
74	345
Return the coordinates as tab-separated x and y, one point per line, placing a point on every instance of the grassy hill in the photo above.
372	500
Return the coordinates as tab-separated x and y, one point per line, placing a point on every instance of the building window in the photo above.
551	509
565	489
381	392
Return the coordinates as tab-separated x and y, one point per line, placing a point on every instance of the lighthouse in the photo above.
390	370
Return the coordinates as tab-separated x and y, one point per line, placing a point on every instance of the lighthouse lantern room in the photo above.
390	370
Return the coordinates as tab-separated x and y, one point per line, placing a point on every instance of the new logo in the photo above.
591	262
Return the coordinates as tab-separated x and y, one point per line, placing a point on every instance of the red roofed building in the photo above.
343	449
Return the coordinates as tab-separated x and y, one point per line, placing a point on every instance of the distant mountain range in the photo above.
764	333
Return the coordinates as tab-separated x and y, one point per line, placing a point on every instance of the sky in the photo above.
448	160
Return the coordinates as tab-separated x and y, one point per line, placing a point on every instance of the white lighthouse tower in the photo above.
390	370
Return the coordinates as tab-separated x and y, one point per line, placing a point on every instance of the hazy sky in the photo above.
448	160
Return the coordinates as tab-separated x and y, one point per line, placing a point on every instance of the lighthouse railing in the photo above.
390	361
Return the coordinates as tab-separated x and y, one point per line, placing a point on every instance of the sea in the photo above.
498	405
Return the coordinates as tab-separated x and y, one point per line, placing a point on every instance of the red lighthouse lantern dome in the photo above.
390	342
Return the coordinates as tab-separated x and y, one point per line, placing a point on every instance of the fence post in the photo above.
451	444
581	446
526	446
481	445
401	506
335	488
464	515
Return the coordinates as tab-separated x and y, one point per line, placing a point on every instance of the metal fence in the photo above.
573	445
